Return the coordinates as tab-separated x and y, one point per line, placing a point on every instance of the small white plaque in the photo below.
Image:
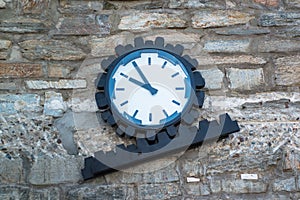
192	180
249	176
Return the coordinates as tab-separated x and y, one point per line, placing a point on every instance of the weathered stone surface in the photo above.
213	78
109	192
24	193
215	185
11	171
5	44
197	4
59	70
8	86
2	4
278	45
206	19
20	70
242	31
22	25
288	185
290	32
61	84
54	104
287	70
220	60
243	187
158	191
86	25
48	171
50	50
227	46
245	79
79	7
293	3
3	55
101	47
33	7
279	19
11	104
144	21
272	3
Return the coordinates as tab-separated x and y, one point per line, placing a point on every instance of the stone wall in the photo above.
50	53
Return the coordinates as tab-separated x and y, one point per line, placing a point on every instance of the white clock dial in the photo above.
150	87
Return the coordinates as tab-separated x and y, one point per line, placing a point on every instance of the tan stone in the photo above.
5	44
287	70
17	70
268	2
59	71
239	59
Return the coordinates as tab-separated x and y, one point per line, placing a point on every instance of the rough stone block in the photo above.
33	7
5	44
272	3
242	31
11	171
2	4
8	86
54	104
287	70
206	19
218	4
215	185
79	7
139	21
86	25
50	50
61	84
279	19
11	104
243	187
238	59
227	46
20	70
4	55
48	171
213	78
245	79
288	185
269	46
59	70
22	25
158	191
109	192
293	3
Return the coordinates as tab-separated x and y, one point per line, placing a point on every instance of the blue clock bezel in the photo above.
170	57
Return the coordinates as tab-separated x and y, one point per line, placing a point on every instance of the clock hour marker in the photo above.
120	89
179	88
149	61
124	75
150	117
164	65
176	102
176	74
135	113
165	112
124	103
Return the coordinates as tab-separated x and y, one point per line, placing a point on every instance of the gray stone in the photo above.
5	44
288	185
107	192
11	171
237	59
22	25
278	46
167	174
26	193
213	78
242	31
8	86
206	19
61	84
84	25
139	21
227	46
11	104
79	7
290	32
55	170
4	55
215	185
59	70
293	3
243	187
245	79
287	70
197	4
279	19
54	104
50	50
158	191
66	128
37	7
2	4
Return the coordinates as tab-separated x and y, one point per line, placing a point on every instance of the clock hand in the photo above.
141	74
145	86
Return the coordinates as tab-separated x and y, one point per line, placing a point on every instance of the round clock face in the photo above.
149	88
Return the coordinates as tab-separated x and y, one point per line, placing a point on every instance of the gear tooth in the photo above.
200	98
179	49
142	145
120	132
193	62
199	80
105	63
120	50
160	42
139	42
172	131
130	131
151	135
128	47
188	118
101	100
101	81
170	48
149	43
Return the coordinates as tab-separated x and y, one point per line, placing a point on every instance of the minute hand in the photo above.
142	75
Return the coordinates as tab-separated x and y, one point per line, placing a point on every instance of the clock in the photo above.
148	88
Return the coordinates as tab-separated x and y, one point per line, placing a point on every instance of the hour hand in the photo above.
143	85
